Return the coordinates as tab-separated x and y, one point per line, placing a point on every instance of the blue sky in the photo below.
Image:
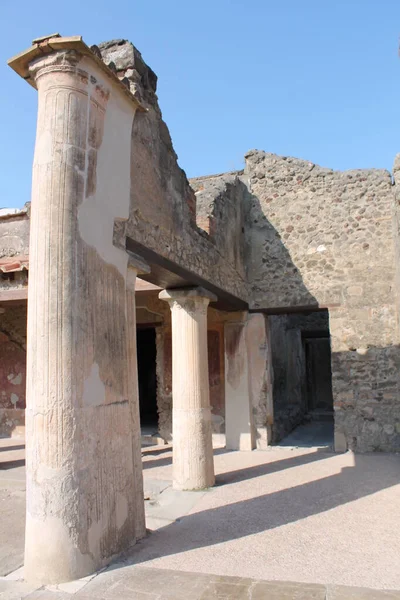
314	79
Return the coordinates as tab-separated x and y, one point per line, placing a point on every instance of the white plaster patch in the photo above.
14	399
111	200
94	391
44	147
15	379
321	248
121	510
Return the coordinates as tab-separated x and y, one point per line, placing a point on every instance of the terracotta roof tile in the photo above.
9	264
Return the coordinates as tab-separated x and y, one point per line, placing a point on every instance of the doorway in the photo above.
318	374
147	378
302	388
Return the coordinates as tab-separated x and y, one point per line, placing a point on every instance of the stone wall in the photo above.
162	214
14	232
220	212
285	235
324	238
12	370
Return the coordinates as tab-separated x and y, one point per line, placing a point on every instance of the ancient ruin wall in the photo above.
319	237
220	211
14	235
12	369
162	204
14	232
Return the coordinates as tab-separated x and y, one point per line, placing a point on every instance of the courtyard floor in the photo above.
306	516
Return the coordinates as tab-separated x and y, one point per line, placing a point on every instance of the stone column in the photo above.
193	465
239	428
83	474
135	267
248	382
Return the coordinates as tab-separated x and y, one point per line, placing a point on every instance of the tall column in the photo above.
248	385
135	267
83	504
193	464
239	429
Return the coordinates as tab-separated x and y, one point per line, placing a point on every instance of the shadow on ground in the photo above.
269	511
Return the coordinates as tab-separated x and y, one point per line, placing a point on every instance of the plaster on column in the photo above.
239	428
83	480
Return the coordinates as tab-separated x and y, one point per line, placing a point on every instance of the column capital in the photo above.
62	61
181	294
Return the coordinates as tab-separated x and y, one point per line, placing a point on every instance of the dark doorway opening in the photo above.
302	392
147	377
319	396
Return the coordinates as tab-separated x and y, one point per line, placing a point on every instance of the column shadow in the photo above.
369	475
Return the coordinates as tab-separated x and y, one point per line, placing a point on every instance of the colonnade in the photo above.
84	472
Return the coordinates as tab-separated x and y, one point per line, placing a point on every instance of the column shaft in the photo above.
193	466
82	503
239	428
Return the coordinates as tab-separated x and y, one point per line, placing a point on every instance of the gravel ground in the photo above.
287	514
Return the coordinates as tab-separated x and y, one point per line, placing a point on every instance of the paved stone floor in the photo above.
316	519
141	583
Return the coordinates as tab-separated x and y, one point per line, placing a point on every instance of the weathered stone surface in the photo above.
323	238
317	235
284	235
14	232
193	466
220	212
82	466
12	368
163	205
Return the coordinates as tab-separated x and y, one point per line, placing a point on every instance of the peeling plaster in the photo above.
94	392
15	379
111	199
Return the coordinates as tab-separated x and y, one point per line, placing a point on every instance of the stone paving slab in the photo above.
14	590
12	525
339	592
141	583
126	582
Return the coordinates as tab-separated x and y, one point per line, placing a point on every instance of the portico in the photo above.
93	183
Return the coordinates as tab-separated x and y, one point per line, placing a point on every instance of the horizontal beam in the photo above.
14	294
167	274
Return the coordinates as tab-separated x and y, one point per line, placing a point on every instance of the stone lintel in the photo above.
138	264
44	46
192	293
